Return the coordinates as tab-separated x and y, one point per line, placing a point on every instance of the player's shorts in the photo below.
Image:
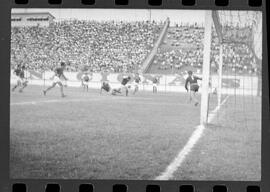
24	81
155	85
136	84
17	79
20	80
85	83
56	79
194	87
123	87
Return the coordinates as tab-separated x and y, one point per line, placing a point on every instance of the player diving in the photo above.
122	89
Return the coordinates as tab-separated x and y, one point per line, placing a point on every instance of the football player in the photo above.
124	87
137	81
57	79
20	77
192	81
155	82
85	81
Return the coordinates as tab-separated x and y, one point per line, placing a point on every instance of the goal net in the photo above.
232	91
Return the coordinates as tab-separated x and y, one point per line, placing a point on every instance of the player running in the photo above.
194	87
155	82
137	80
20	76
59	73
85	81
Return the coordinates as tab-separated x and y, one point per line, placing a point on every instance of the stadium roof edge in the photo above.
34	13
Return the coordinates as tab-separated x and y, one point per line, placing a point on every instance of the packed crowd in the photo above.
123	46
184	47
111	46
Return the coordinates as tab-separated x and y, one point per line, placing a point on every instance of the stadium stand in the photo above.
111	46
125	47
183	49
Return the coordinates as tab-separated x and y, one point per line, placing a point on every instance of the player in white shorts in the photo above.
137	81
59	73
192	81
155	82
85	81
20	78
124	84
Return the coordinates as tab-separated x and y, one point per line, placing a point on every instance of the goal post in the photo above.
206	67
219	91
236	40
218	29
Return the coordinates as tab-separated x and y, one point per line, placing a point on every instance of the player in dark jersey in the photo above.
137	81
124	86
155	82
192	81
20	76
17	72
59	74
106	87
85	81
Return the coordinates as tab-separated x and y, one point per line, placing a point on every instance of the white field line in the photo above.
194	138
97	99
51	101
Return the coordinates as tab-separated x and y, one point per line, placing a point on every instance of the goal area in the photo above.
232	65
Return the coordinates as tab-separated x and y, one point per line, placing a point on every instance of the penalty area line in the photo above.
194	138
52	101
112	100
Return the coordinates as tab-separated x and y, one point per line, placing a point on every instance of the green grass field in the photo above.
91	136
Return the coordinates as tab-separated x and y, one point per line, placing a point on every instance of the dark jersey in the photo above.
125	81
19	73
192	80
86	78
137	79
106	87
59	71
155	80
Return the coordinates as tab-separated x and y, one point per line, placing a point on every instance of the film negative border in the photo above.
7	185
133	186
143	4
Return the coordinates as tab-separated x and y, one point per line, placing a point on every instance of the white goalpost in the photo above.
206	67
243	30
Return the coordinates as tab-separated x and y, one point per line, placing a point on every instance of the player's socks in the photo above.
44	92
13	89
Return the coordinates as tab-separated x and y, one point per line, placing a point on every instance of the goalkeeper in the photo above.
192	80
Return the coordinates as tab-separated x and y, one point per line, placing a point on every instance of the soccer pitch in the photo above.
91	136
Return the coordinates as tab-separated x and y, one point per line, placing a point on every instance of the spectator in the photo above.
117	46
